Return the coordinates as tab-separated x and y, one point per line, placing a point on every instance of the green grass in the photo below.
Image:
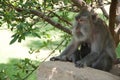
11	55
9	69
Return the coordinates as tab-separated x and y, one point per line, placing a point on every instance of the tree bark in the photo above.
112	20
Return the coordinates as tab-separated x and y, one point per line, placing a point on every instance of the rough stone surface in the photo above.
67	71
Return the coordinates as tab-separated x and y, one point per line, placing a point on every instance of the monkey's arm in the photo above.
70	49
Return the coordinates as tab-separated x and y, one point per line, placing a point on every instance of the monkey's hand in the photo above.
59	58
54	59
80	63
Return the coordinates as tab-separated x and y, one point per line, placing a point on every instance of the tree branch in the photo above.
44	17
112	20
61	18
100	2
79	3
47	19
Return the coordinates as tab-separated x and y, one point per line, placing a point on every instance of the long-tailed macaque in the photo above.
92	31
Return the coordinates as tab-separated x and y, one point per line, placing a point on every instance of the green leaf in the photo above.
36	35
19	40
88	1
27	60
14	39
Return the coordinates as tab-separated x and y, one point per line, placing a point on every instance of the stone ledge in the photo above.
56	70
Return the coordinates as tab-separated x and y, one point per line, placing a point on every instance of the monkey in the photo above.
93	31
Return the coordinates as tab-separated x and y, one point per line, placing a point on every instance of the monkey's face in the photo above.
81	28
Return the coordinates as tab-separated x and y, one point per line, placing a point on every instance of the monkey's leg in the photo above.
104	62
